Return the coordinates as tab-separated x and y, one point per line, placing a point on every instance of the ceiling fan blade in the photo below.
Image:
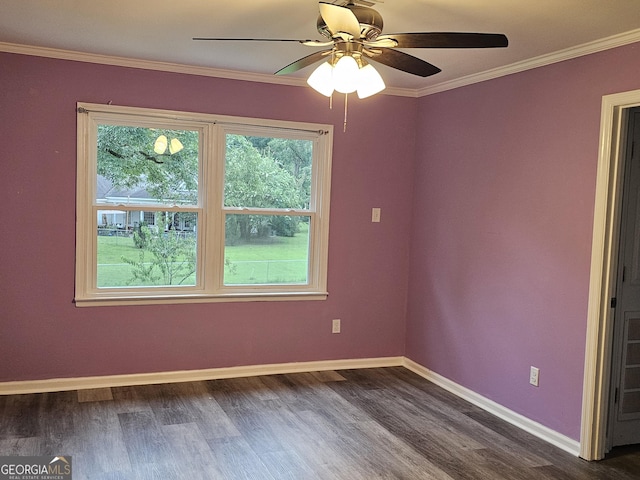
303	62
253	40
308	43
339	19
405	62
447	40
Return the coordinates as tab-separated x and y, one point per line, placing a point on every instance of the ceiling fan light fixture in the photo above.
346	75
369	82
321	80
365	80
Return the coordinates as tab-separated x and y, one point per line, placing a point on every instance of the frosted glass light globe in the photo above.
345	75
321	80
370	82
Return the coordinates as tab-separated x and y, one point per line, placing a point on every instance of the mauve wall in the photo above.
43	335
503	212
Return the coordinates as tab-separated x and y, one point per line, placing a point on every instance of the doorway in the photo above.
604	262
623	426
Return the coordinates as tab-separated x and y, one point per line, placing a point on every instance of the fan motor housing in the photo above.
370	22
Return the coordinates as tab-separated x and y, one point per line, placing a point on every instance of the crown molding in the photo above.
169	67
614	41
144	64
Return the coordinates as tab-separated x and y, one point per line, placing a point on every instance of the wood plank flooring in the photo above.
384	423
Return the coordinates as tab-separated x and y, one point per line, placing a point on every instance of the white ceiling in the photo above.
162	31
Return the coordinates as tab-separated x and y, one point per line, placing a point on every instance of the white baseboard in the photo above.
81	383
63	384
551	436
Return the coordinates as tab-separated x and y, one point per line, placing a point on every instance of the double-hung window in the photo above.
185	207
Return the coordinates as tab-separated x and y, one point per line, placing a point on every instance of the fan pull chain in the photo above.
333	62
346	98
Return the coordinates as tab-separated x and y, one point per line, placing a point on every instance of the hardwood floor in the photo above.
384	423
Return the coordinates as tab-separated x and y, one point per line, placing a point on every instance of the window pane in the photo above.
266	249
267	172
133	252
147	165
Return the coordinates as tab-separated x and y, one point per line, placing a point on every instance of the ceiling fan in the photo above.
354	29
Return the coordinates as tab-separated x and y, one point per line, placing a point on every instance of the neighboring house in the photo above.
108	194
112	217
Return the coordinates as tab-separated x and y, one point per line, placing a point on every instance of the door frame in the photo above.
602	281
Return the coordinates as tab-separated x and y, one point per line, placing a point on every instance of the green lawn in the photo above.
263	261
112	270
270	260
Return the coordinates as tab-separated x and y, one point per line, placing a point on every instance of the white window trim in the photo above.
209	286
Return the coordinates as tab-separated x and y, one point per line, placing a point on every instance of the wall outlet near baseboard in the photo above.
534	376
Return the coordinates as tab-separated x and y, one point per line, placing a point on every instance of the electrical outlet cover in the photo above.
534	376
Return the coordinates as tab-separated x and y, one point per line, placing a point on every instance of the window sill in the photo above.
198	298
